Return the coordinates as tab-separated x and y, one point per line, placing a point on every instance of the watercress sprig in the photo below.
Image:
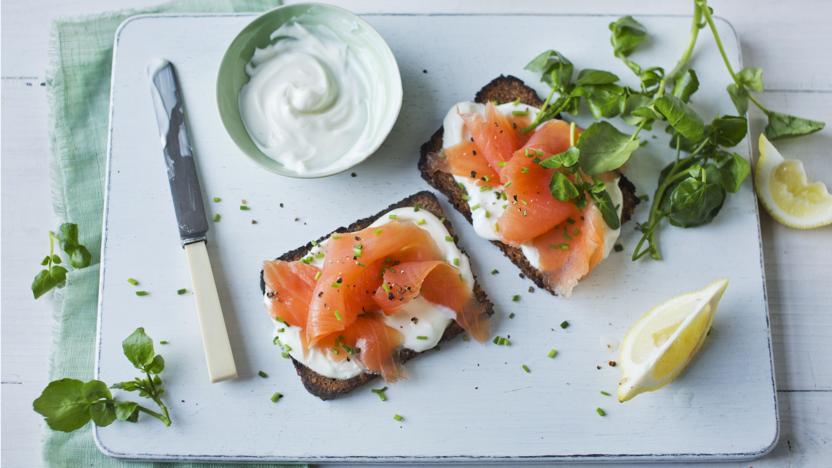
692	189
53	275
69	404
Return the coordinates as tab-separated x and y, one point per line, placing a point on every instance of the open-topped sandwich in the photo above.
359	302
523	189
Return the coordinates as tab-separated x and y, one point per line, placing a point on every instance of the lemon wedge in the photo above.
785	192
660	345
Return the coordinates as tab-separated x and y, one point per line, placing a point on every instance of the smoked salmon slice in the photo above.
376	344
439	283
464	160
290	287
496	135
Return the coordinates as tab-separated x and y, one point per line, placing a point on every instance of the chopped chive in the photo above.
564	324
320	255
485	188
276	396
421	337
357	250
216	218
181	291
378	231
380	392
600	412
421	222
618	247
605	393
502	164
164	342
338	316
263	374
386	287
552	353
563	246
511	315
515	298
317	275
281	330
520	112
217	199
276	341
142	293
495	272
314	243
524	170
392	216
337	283
475	207
244	208
456	262
449	238
487	214
133	281
398	417
501	341
526	369
417	206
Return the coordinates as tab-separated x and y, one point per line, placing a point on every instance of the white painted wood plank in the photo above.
779	36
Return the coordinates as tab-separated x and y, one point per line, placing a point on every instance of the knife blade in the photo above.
190	216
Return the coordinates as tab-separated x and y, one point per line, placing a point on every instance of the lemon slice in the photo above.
662	343
785	192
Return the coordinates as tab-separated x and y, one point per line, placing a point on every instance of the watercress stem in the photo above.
694	35
161	417
154	395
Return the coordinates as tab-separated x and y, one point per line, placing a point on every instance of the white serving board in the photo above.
467	402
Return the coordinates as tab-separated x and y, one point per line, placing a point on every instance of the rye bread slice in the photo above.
501	90
327	388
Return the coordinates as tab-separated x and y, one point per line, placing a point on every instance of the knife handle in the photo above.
215	341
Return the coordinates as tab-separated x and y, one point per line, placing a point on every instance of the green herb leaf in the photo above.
751	78
734	172
728	130
589	76
603	148
103	413
789	126
682	118
157	365
739	96
608	211
694	203
127	411
627	35
606	100
95	390
562	188
79	257
63	405
555	69
686	85
138	348
567	158
42	283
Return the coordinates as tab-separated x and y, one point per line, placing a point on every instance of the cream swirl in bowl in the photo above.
322	92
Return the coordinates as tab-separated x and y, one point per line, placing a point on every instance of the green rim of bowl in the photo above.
232	77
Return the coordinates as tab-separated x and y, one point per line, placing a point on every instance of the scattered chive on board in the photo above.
600	411
217	199
133	281
564	324
263	374
181	291
398	417
380	392
526	369
515	298
142	293
276	396
164	342
605	393
216	217
552	353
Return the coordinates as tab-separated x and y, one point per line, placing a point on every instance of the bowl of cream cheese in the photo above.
308	90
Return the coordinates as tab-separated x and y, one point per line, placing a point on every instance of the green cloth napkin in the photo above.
79	91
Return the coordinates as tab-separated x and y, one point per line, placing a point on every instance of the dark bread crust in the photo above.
500	90
327	388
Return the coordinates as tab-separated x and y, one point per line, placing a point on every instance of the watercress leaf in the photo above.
650	79
58	275
56	259
103	413
739	96
157	365
627	35
63	405
602	200
681	117
138	347
68	235
694	203
555	69
567	158
604	100
686	85
637	110
127	385
125	410
45	260
789	126
728	130
562	188
751	78
734	172
589	76
79	257
95	390
603	148
42	283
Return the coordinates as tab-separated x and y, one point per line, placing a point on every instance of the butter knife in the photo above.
190	215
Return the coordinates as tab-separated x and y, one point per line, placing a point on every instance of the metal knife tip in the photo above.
155	66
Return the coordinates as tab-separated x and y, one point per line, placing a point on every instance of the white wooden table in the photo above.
789	40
